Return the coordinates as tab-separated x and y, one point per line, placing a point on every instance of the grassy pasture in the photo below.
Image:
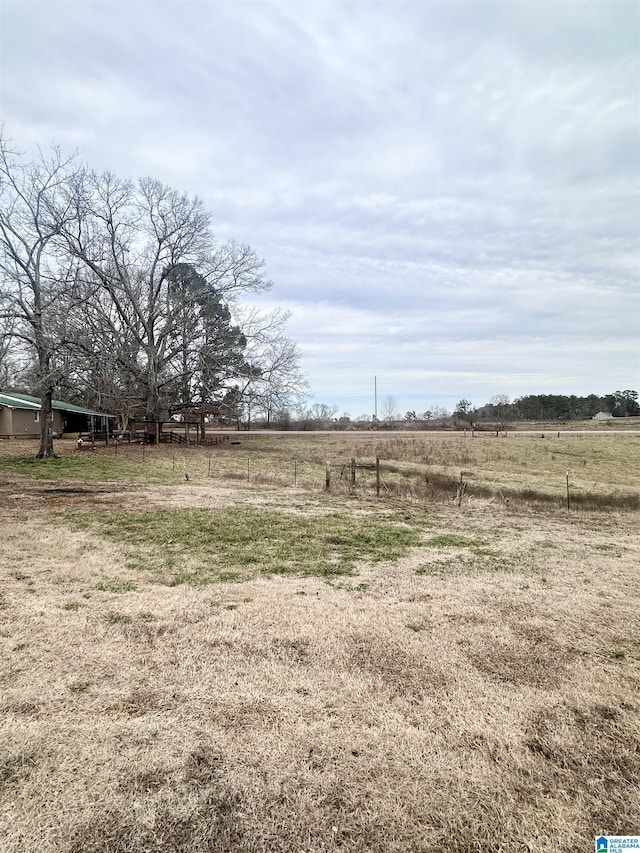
235	663
603	467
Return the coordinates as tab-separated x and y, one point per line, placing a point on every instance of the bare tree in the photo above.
390	411
439	413
105	369
273	382
121	290
37	276
500	403
436	413
322	414
161	280
7	358
317	416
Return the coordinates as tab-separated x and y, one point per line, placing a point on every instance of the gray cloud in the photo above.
443	192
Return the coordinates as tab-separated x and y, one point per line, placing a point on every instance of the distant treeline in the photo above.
546	407
499	410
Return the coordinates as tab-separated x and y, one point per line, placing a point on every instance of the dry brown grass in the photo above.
479	694
528	469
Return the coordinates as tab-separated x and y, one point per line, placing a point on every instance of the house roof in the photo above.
24	401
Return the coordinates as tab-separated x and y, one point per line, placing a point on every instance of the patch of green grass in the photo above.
437	568
79	686
231	577
480	561
115	618
117	586
453	540
181	577
87	468
618	654
610	548
232	544
146	616
488	559
486	553
73	605
330	570
138	562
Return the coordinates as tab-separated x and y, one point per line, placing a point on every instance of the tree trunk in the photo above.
153	398
46	426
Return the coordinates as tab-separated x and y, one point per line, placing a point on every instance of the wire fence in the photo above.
392	480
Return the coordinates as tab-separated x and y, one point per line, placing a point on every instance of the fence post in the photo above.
209	469
295	472
353	472
248	470
327	476
377	477
568	498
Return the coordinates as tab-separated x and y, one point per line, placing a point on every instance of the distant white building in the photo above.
603	416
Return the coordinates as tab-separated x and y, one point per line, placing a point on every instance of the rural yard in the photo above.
204	649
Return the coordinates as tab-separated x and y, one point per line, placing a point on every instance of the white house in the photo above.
603	416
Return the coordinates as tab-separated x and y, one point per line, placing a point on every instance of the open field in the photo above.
525	469
236	663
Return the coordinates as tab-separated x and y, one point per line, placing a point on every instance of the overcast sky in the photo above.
446	194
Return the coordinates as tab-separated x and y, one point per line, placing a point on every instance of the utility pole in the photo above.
375	397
